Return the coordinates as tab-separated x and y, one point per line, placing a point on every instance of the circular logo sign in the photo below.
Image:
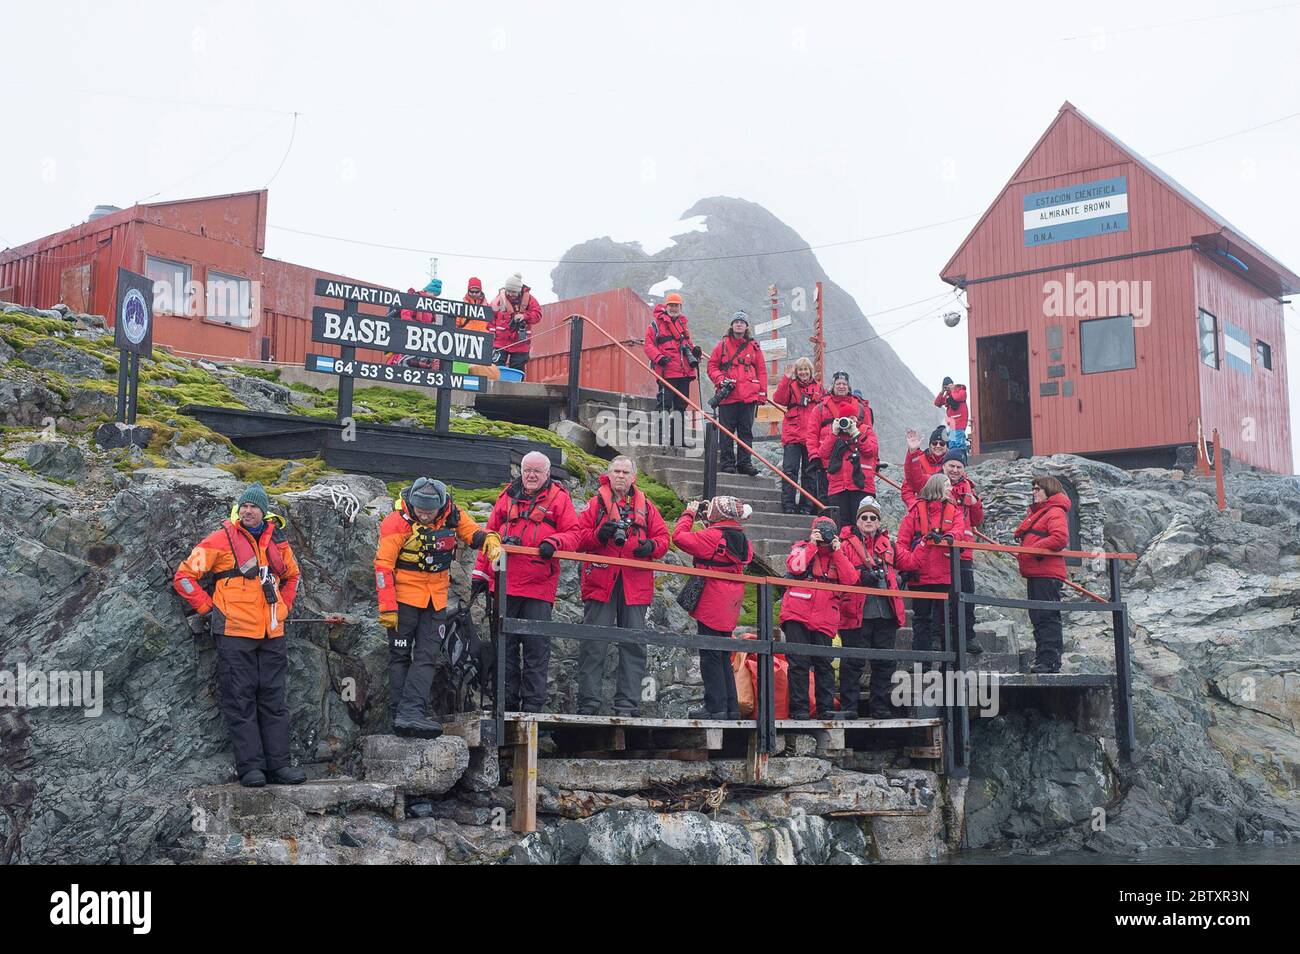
135	316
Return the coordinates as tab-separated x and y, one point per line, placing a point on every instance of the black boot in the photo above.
253	778
703	713
1046	663
727	469
973	646
748	469
418	726
289	775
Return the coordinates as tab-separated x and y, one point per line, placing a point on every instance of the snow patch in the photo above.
656	239
659	289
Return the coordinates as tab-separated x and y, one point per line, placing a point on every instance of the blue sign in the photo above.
1076	211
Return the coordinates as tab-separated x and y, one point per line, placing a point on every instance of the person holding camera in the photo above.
674	356
972	511
255	582
869	621
715	604
810	616
920	465
515	312
531	512
799	394
849	449
1046	527
417	544
619	521
737	370
933	520
952	398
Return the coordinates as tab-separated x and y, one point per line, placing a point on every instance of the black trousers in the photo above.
968	586
592	653
847	501
879	633
1047	623
719	680
515	359
672	426
525	691
413	650
739	419
817	484
823	672
796	464
927	620
250	674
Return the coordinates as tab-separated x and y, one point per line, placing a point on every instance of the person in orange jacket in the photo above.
417	543
255	583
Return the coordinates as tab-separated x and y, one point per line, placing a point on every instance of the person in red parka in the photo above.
869	621
739	360
434	288
675	356
722	546
1046	527
972	511
620	521
933	519
799	393
530	511
515	312
952	398
920	465
810	616
849	449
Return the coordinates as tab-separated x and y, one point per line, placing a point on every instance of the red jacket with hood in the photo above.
918	467
664	339
790	394
917	555
877	551
953	401
504	311
745	364
1046	527
973	513
533	519
841	472
816	608
647	524
719	546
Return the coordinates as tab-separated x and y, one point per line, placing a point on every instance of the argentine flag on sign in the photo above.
1236	347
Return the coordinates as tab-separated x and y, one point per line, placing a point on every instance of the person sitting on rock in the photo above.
799	394
531	511
810	616
619	521
721	546
919	466
255	584
1046	527
417	544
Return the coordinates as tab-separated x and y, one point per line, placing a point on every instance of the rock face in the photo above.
716	288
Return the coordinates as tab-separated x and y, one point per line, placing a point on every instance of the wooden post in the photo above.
1123	702
524	772
773	428
1218	471
575	364
819	342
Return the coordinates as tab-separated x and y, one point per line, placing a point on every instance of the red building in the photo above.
1110	310
231	301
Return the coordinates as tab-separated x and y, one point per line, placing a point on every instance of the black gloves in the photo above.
663	361
546	549
200	623
644	549
699	352
606	531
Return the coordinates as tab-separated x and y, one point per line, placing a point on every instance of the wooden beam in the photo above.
755	761
524	772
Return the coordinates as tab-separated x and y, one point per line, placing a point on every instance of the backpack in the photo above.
472	659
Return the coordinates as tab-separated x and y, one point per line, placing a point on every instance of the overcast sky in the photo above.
517	130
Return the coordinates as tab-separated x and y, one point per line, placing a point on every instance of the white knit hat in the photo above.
514	283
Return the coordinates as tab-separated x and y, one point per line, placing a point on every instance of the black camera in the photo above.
514	540
724	389
873	576
804	400
825	530
936	538
620	532
688	356
519	325
268	586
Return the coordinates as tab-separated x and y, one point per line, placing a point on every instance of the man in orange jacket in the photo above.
417	543
255	583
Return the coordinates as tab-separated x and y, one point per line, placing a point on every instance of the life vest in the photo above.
536	509
639	512
743	355
429	549
247	563
676	332
946	519
826	574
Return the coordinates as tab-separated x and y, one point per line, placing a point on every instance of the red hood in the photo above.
1056	500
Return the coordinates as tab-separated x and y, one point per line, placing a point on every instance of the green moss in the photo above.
266	374
267	471
581	464
669	504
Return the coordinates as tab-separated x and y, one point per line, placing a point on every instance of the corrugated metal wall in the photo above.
604	367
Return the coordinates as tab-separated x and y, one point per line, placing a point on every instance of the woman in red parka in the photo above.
869	621
675	356
799	394
849	449
935	518
738	359
514	314
720	546
1045	527
811	615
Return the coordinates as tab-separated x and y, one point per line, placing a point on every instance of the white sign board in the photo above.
764	327
773	348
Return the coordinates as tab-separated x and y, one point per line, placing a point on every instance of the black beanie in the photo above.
940	433
947	382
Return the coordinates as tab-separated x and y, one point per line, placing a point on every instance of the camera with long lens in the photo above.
724	389
268	586
688	356
621	527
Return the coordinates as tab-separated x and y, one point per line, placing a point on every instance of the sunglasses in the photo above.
869	516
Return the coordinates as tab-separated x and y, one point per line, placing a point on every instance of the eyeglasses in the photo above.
869	516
